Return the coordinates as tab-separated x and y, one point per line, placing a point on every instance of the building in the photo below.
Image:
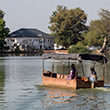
58	47
28	39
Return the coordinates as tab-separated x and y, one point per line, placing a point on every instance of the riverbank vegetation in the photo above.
4	32
78	48
69	28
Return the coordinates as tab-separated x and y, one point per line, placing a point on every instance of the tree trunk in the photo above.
104	45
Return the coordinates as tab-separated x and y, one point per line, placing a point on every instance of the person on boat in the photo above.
73	72
93	76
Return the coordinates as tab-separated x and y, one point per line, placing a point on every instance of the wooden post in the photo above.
42	65
103	72
82	69
63	69
52	66
94	64
68	65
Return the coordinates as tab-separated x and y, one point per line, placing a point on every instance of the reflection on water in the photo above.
95	99
2	78
20	75
56	96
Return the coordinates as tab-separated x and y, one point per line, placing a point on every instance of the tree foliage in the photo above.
105	18
94	37
78	48
99	30
4	31
67	25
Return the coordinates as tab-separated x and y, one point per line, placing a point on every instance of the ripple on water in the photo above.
19	92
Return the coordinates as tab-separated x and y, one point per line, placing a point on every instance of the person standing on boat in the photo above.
73	72
93	76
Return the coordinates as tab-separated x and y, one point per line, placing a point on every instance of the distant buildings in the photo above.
58	47
29	39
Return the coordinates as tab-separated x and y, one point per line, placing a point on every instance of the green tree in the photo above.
78	48
99	31
105	18
67	25
4	32
94	36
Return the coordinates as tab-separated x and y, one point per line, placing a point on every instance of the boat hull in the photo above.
87	84
59	82
69	83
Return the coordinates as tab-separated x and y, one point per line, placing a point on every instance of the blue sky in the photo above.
36	13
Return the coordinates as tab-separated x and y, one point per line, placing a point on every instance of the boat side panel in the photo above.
59	82
83	84
87	84
100	83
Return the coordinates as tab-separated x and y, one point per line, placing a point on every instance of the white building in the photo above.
58	47
28	39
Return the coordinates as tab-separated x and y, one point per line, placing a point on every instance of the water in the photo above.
21	88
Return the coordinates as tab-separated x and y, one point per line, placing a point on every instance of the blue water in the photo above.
21	88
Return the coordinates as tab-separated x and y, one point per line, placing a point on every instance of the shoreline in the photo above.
41	52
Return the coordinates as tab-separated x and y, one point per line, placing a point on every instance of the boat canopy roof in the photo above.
92	57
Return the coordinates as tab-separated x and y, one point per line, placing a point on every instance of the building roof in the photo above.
29	33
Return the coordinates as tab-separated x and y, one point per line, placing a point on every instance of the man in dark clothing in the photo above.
93	71
73	72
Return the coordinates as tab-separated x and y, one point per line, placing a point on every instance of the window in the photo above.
39	40
40	35
23	46
12	40
40	46
8	40
43	40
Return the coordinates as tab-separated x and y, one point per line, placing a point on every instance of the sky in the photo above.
36	13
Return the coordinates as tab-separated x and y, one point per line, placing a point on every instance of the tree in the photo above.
67	25
94	37
4	32
105	18
99	31
78	48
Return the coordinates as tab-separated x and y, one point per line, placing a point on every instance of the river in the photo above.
21	87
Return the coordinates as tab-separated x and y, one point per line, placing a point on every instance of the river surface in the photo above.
21	87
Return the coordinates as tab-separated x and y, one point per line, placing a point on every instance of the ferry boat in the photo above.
49	78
